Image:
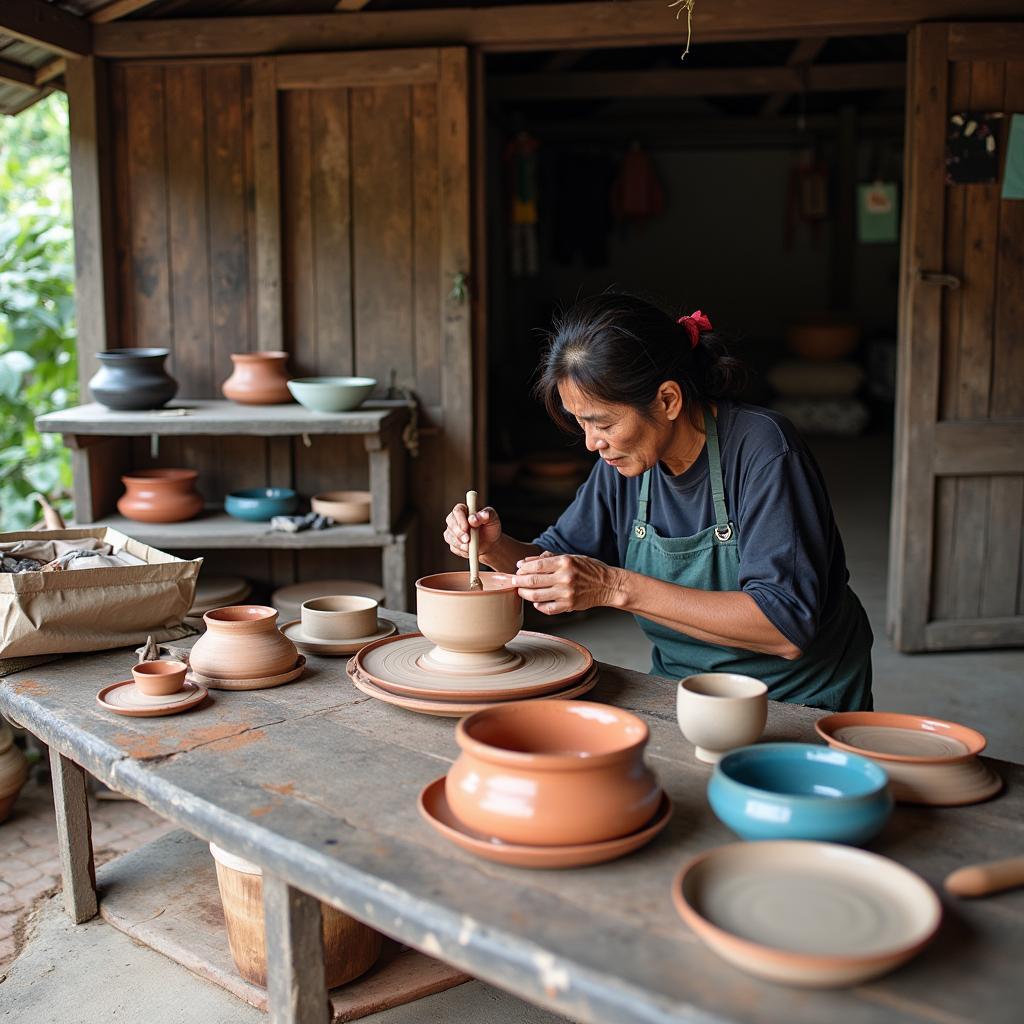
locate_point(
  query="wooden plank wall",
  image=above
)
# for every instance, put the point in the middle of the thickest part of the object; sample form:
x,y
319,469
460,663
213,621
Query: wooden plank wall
x,y
980,519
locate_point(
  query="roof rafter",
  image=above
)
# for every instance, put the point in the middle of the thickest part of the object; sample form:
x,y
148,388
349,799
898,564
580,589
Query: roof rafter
x,y
48,26
802,57
118,9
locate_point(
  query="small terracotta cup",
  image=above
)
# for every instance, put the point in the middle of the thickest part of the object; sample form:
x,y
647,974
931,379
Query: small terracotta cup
x,y
159,678
719,711
341,617
552,773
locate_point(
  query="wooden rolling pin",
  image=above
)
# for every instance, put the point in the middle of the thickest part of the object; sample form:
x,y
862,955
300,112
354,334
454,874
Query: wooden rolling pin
x,y
985,879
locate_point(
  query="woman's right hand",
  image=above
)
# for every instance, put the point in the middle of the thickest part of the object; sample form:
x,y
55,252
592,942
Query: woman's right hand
x,y
456,534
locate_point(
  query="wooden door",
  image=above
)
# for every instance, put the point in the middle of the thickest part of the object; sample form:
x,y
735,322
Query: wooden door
x,y
362,226
956,576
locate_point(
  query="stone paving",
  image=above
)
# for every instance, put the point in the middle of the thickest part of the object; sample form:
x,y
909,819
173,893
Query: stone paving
x,y
29,864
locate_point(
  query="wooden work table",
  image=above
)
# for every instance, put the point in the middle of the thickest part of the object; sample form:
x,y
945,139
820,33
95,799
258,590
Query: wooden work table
x,y
318,784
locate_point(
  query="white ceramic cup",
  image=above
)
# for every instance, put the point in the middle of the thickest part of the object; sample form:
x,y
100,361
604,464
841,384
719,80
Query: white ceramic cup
x,y
342,617
719,711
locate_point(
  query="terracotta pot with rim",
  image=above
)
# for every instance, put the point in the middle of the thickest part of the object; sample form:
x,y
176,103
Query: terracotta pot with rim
x,y
552,773
258,378
160,495
242,641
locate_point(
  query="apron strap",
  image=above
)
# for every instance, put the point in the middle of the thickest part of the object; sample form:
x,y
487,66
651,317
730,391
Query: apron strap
x,y
645,488
723,528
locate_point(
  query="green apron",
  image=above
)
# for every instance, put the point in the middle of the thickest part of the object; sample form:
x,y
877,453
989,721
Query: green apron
x,y
835,670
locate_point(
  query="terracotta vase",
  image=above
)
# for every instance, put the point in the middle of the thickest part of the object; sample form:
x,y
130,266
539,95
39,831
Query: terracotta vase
x,y
258,378
242,642
13,770
133,379
552,773
160,495
350,947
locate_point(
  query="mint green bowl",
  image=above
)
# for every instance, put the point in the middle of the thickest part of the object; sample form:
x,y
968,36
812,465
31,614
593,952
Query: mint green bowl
x,y
331,394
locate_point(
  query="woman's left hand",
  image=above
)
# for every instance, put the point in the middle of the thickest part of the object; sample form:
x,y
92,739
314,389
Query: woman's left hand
x,y
565,583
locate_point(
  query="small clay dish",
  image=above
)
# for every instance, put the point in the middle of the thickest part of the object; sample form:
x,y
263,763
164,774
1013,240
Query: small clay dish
x,y
335,648
433,806
552,773
261,504
339,617
124,698
159,678
343,506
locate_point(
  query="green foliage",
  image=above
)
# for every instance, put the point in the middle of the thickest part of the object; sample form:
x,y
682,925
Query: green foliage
x,y
37,311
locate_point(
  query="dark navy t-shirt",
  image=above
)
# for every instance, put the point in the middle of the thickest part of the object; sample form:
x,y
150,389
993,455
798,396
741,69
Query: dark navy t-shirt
x,y
792,561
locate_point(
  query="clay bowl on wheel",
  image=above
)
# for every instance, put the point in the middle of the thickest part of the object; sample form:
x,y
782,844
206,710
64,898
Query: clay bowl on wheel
x,y
469,627
552,773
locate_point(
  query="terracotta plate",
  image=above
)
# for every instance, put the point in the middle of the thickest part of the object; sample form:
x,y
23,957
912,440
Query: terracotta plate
x,y
549,663
435,810
309,645
907,738
455,708
264,683
124,698
817,915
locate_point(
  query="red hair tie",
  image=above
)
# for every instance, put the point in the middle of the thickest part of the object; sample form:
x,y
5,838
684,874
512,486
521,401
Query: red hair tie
x,y
696,324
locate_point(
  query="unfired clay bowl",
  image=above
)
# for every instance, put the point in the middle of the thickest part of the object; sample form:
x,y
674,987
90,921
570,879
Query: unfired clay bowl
x,y
469,627
552,773
159,678
719,711
342,617
343,506
242,641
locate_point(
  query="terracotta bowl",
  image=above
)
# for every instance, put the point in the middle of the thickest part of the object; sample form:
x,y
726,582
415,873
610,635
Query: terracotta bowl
x,y
469,627
342,617
159,678
242,641
719,711
552,773
343,506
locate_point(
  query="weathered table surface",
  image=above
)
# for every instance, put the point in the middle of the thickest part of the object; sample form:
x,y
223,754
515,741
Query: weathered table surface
x,y
318,784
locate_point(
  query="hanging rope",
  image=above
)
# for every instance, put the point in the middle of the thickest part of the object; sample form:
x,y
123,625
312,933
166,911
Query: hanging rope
x,y
685,5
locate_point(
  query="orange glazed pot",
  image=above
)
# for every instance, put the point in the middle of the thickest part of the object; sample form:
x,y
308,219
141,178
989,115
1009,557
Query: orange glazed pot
x,y
552,773
160,495
258,378
242,641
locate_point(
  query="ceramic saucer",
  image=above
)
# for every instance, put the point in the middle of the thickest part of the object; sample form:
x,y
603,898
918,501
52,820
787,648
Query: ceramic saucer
x,y
436,812
125,698
928,760
264,683
312,645
456,708
816,915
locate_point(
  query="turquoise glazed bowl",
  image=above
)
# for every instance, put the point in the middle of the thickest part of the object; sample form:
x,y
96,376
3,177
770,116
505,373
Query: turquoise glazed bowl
x,y
258,504
800,791
331,394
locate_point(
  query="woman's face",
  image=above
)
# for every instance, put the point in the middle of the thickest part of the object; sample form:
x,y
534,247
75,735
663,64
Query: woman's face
x,y
618,433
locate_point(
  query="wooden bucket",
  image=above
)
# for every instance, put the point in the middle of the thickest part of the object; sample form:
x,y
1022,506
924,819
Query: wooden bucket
x,y
350,947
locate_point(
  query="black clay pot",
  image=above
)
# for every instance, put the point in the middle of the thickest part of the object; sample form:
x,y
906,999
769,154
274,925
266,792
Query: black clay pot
x,y
132,379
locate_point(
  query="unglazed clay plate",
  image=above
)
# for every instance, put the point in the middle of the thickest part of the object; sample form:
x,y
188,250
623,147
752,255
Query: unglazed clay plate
x,y
435,810
264,683
311,645
816,915
454,708
549,663
125,698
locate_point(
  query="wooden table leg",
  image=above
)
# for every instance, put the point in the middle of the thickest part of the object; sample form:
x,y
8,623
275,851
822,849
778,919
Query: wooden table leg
x,y
296,989
74,837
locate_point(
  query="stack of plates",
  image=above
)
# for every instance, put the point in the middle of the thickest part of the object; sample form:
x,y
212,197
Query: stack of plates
x,y
288,600
928,761
391,671
216,592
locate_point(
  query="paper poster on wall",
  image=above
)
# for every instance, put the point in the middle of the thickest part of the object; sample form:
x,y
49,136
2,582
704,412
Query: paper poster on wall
x,y
972,152
1013,176
878,213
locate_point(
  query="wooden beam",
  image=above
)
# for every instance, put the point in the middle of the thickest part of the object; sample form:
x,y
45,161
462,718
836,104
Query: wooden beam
x,y
684,81
980,41
267,189
17,74
28,101
46,25
48,72
118,9
526,27
351,5
565,60
802,57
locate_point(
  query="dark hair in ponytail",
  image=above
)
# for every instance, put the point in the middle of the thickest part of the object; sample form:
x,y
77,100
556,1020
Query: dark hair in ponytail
x,y
620,349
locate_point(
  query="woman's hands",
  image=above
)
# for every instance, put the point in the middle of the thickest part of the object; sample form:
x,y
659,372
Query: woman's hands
x,y
567,583
456,534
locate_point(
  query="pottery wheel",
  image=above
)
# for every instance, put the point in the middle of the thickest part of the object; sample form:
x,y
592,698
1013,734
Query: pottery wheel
x,y
549,663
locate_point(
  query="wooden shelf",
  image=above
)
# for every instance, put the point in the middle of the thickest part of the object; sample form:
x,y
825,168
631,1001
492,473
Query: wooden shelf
x,y
221,531
210,416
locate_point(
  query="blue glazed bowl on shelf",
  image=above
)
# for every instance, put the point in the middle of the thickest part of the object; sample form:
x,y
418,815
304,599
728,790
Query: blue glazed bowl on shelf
x,y
800,791
259,504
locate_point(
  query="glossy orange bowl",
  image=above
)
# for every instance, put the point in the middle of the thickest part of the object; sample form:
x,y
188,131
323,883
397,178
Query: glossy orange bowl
x,y
552,773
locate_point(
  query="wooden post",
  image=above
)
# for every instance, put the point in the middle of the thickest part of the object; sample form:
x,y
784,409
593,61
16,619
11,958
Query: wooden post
x,y
74,837
296,990
266,173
